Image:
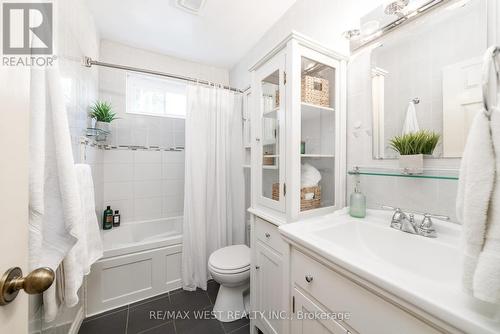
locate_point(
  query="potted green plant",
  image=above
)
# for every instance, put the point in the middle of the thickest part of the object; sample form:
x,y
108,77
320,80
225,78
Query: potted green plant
x,y
412,147
102,113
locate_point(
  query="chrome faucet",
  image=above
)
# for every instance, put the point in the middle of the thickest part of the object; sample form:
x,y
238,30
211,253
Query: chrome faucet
x,y
406,222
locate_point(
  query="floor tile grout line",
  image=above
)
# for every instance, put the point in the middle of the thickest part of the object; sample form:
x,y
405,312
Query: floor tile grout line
x,y
154,327
237,329
109,312
148,300
126,321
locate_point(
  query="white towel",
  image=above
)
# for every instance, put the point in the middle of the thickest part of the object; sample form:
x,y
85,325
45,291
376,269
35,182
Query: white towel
x,y
486,283
88,248
54,198
310,176
477,172
411,123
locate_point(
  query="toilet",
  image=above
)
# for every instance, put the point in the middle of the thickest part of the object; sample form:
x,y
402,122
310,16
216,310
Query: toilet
x,y
230,267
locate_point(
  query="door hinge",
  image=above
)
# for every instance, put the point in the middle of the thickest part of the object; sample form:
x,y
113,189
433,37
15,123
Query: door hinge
x,y
293,304
284,189
284,78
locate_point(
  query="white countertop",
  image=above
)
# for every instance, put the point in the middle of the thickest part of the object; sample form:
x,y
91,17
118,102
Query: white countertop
x,y
422,271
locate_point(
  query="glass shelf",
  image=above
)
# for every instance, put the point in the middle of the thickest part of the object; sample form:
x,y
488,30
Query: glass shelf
x,y
443,174
98,134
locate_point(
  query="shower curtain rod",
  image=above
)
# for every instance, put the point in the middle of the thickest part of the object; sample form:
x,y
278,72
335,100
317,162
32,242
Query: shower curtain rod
x,y
89,62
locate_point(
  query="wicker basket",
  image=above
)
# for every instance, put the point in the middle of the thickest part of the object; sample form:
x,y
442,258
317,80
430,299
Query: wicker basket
x,y
315,91
305,204
268,161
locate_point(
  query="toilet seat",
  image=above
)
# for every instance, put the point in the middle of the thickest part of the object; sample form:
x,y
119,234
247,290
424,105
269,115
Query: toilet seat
x,y
228,272
230,260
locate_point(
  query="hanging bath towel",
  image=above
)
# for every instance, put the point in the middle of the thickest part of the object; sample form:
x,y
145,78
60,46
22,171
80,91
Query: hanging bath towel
x,y
411,123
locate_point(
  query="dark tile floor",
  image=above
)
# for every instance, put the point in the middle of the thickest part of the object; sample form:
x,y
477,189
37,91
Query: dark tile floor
x,y
152,316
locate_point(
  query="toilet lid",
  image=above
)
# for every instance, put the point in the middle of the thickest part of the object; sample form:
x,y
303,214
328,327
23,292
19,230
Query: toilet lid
x,y
230,258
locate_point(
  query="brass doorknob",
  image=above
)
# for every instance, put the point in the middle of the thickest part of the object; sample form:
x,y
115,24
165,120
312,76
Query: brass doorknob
x,y
36,282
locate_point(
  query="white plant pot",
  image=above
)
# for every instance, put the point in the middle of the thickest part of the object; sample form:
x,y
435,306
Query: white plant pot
x,y
412,164
104,126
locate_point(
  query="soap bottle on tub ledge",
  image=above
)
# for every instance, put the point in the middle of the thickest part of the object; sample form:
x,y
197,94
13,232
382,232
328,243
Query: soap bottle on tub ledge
x,y
107,219
357,206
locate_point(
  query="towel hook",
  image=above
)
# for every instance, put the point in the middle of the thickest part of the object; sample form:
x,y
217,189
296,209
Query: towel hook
x,y
489,58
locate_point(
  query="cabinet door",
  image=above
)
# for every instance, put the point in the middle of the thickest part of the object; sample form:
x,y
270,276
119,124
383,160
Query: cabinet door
x,y
269,84
310,317
320,125
268,287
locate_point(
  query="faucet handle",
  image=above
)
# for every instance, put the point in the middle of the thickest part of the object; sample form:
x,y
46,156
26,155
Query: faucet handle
x,y
426,227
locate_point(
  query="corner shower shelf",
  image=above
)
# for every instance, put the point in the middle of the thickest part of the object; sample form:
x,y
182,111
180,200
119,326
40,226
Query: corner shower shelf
x,y
98,134
438,174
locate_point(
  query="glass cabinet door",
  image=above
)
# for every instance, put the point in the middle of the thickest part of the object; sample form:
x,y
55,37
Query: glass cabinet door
x,y
317,145
270,139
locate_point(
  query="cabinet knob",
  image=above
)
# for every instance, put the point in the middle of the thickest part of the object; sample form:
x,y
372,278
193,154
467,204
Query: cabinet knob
x,y
309,278
257,267
267,235
257,139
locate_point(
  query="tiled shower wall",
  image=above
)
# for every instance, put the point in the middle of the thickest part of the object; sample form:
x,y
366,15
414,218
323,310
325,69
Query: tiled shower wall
x,y
144,184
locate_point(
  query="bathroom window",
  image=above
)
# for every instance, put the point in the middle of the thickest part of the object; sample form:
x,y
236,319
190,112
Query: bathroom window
x,y
149,95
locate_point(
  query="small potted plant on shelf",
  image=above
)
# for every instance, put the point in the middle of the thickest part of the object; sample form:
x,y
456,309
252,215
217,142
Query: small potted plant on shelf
x,y
102,113
412,147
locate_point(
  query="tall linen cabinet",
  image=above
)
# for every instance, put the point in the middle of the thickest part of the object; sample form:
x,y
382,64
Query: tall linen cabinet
x,y
298,160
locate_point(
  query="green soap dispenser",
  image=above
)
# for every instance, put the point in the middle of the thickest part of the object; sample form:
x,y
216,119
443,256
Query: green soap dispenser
x,y
357,206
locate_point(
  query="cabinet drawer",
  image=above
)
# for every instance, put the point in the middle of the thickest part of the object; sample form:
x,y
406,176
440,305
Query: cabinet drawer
x,y
268,233
368,312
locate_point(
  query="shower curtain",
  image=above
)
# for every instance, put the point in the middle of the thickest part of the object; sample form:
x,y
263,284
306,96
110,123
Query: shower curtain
x,y
214,210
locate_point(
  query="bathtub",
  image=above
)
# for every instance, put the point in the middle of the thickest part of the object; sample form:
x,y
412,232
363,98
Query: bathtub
x,y
140,260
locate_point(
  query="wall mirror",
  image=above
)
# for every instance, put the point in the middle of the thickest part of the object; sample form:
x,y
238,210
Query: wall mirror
x,y
430,68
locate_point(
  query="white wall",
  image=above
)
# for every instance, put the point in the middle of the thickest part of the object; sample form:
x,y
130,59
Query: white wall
x,y
321,20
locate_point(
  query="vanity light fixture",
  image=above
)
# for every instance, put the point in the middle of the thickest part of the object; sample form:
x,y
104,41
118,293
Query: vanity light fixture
x,y
352,34
395,7
370,27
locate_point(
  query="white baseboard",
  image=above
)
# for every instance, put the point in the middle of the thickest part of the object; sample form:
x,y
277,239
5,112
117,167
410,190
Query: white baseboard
x,y
77,322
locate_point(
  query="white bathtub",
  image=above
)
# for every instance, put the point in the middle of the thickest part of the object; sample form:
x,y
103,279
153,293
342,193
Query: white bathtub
x,y
141,260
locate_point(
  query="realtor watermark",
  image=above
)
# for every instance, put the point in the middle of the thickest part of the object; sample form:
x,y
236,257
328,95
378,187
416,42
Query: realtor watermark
x,y
28,34
235,315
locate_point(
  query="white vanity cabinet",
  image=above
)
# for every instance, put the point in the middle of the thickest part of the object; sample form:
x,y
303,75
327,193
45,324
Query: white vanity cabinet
x,y
269,291
319,288
298,119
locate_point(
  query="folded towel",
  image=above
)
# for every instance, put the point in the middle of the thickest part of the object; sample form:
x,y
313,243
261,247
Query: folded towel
x,y
477,172
54,197
310,176
411,123
88,248
486,283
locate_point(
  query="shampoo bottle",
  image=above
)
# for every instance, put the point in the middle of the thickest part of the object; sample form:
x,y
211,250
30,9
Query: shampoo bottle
x,y
107,219
357,206
116,219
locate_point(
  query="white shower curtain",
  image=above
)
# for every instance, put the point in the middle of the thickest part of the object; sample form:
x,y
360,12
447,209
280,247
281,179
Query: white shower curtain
x,y
214,211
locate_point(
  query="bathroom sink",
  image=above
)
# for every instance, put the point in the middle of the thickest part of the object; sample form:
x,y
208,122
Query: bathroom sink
x,y
377,242
424,272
